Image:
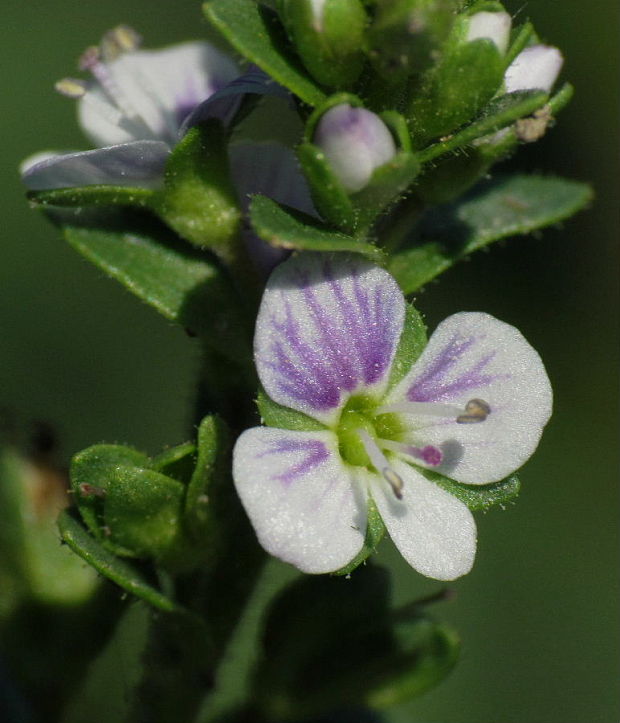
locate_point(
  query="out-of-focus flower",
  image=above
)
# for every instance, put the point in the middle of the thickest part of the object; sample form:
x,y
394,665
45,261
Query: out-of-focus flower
x,y
134,108
472,407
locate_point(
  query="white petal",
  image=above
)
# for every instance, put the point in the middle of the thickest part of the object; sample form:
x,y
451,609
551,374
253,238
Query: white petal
x,y
536,67
327,329
473,355
434,532
155,91
299,497
138,164
494,26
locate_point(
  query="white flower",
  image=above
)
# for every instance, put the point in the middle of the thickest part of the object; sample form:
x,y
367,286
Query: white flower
x,y
133,108
472,408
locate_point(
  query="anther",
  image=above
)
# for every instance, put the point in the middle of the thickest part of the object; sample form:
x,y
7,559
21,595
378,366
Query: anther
x,y
122,39
71,87
476,410
395,481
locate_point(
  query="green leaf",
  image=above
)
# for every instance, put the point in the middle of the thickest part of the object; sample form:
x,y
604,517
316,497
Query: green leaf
x,y
493,210
498,114
374,534
180,282
254,31
120,572
95,195
275,415
479,497
286,228
331,643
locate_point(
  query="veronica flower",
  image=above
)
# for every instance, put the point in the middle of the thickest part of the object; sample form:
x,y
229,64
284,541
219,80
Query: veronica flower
x,y
472,407
135,108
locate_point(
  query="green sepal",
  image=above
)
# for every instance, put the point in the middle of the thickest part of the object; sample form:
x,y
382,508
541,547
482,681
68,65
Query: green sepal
x,y
90,475
198,200
492,211
180,282
142,513
273,414
95,195
108,565
333,643
332,51
330,198
210,472
478,497
386,186
457,89
411,344
286,228
375,532
499,113
177,462
520,37
255,32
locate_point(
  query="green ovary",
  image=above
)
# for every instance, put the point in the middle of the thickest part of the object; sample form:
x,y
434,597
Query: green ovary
x,y
360,414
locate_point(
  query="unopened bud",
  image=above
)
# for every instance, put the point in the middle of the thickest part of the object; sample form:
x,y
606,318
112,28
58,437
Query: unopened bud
x,y
493,26
355,142
328,36
535,67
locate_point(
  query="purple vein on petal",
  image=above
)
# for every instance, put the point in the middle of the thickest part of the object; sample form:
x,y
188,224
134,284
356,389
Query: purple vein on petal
x,y
432,384
315,453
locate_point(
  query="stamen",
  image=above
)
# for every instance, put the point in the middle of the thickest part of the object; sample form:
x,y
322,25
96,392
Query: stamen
x,y
429,454
381,464
122,39
71,87
434,409
476,410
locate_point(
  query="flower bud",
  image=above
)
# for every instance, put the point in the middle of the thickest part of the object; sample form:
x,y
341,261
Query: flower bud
x,y
355,141
535,67
328,36
493,26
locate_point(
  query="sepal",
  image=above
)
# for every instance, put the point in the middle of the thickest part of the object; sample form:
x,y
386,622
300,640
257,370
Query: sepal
x,y
328,36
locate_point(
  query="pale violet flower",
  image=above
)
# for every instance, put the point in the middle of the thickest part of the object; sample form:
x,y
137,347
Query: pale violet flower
x,y
134,108
536,67
493,26
472,408
355,141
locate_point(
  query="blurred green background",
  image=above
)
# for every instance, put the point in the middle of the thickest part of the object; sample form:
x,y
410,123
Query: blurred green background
x,y
538,615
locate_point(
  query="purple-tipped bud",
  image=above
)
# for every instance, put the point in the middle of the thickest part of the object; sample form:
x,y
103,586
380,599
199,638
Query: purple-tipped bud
x,y
355,142
493,26
535,67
